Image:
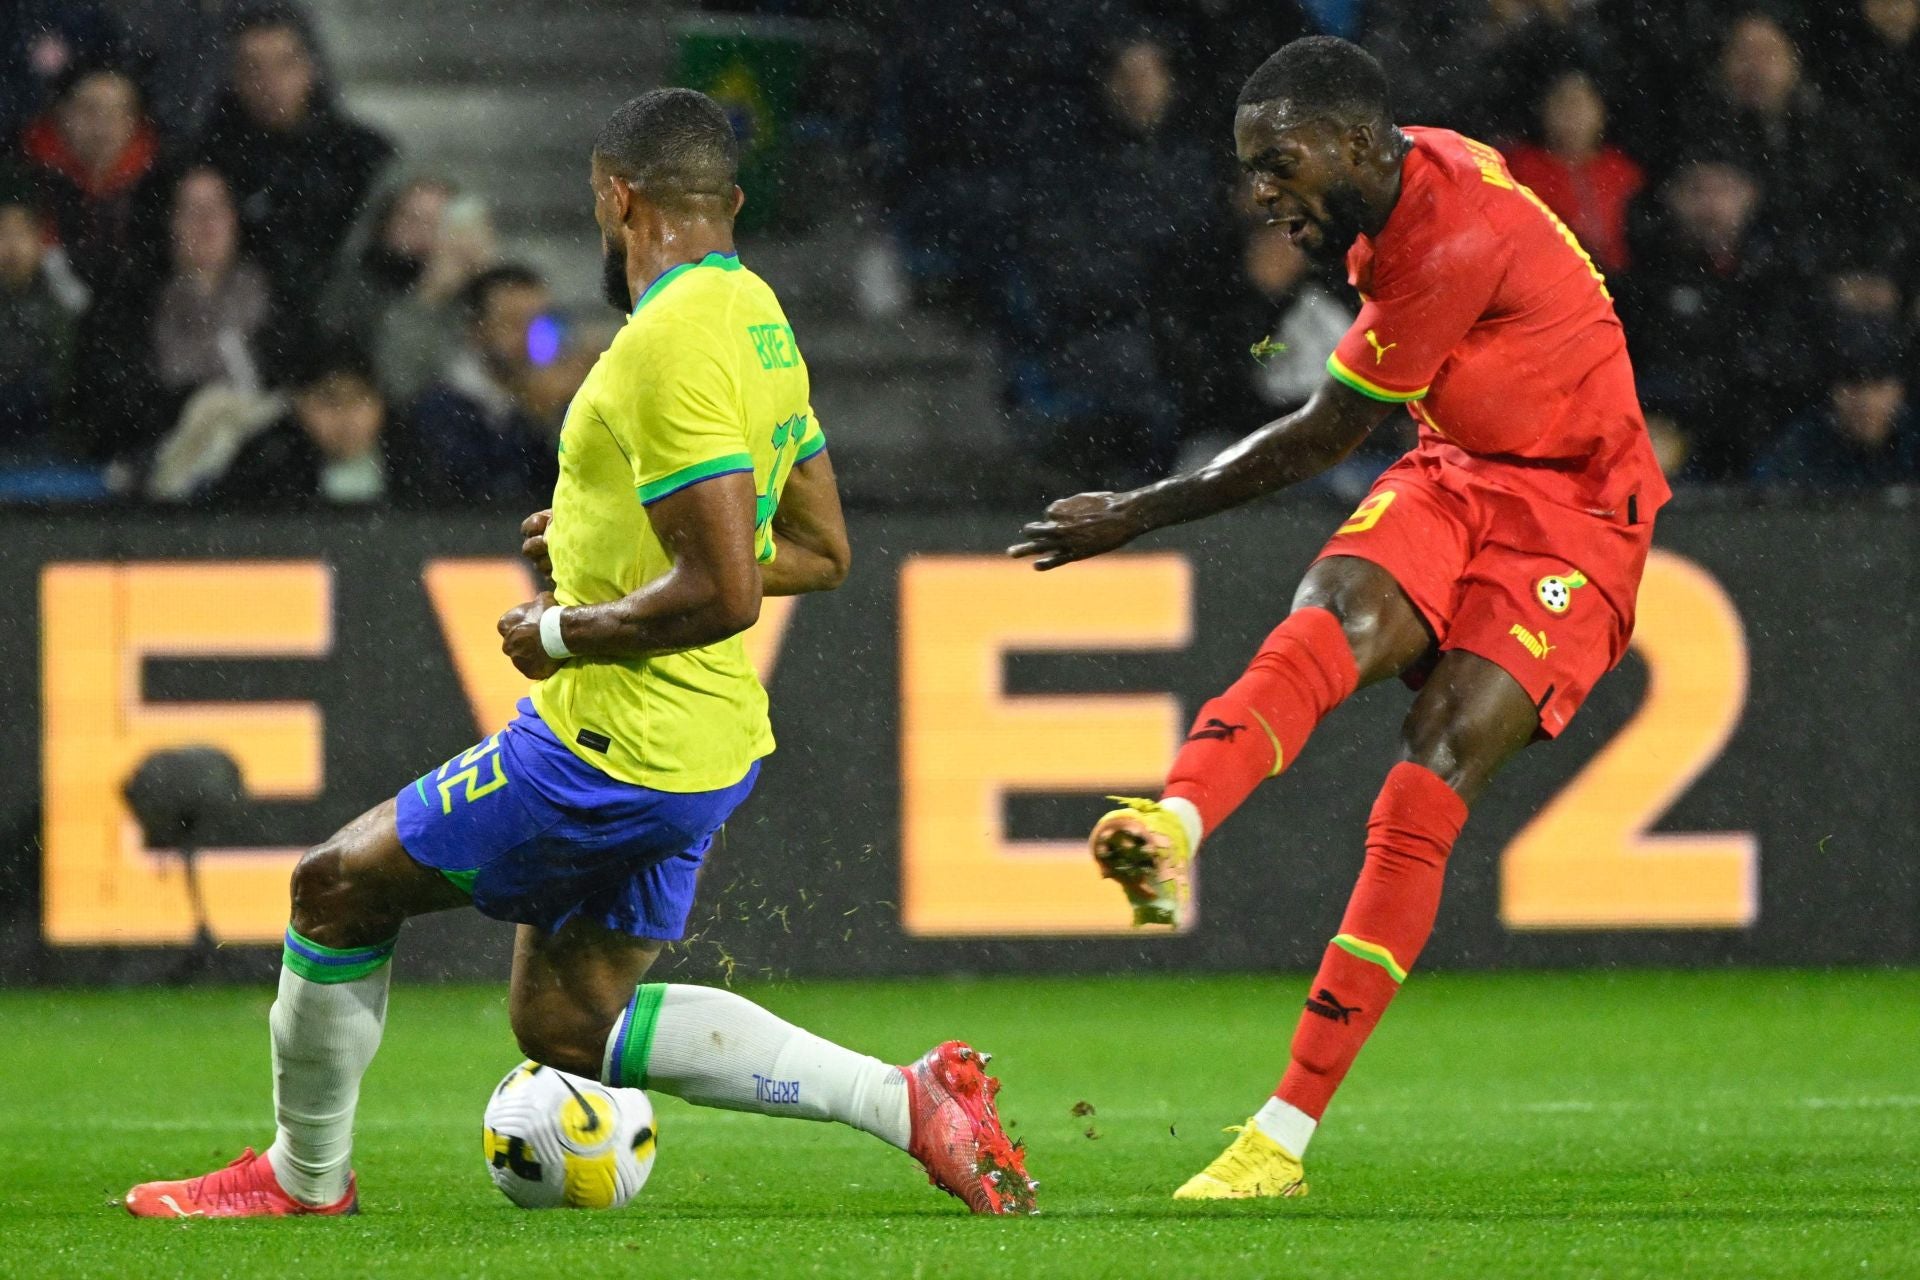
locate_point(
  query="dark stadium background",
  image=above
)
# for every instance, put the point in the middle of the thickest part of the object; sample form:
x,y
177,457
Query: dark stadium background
x,y
1011,245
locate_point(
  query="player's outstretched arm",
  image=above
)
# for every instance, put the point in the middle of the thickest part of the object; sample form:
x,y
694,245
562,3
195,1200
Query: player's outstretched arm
x,y
811,552
712,591
1284,452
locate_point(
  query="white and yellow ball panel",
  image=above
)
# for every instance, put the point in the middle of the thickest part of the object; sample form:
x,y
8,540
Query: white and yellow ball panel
x,y
554,1140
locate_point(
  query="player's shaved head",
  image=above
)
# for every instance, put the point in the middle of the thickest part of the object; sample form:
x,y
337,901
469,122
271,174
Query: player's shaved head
x,y
676,147
1321,78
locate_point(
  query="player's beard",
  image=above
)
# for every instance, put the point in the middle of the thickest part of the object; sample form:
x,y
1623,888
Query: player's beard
x,y
1346,222
613,275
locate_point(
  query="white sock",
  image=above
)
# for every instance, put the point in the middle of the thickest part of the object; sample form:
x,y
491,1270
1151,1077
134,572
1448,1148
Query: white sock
x,y
1287,1125
326,1026
717,1049
1182,808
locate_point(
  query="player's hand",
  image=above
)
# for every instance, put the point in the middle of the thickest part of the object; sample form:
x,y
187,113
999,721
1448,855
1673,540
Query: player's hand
x,y
1077,528
520,637
533,541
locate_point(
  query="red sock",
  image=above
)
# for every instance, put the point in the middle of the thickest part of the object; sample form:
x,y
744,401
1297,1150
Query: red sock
x,y
1258,726
1414,824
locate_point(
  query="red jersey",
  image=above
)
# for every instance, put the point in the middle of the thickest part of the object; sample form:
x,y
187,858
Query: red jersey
x,y
1484,316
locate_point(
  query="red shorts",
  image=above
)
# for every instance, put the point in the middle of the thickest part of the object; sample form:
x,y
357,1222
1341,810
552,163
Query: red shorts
x,y
1544,592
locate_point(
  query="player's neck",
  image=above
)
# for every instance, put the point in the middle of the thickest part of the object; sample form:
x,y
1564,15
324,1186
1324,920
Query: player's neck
x,y
675,246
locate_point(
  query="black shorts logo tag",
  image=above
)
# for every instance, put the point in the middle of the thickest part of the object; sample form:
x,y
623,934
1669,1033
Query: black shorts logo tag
x,y
593,741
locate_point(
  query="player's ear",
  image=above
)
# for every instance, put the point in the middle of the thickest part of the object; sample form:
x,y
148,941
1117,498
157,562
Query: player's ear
x,y
622,198
1361,139
739,200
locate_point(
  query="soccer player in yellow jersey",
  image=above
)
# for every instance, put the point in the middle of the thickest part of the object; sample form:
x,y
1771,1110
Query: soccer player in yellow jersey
x,y
694,479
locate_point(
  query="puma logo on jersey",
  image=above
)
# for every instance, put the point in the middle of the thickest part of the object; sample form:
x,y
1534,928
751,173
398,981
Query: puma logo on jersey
x,y
1379,352
1534,643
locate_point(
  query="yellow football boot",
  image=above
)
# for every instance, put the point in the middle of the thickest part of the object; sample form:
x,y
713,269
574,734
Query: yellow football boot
x,y
1254,1165
1145,850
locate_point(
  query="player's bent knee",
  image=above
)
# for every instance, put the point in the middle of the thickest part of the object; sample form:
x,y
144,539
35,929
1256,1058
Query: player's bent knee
x,y
330,904
318,882
1381,628
1431,744
1448,743
565,1043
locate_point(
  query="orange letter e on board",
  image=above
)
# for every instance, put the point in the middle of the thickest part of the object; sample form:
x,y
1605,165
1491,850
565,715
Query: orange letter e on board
x,y
99,622
965,743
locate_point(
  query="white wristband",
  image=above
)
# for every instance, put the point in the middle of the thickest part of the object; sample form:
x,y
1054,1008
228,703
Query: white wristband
x,y
550,638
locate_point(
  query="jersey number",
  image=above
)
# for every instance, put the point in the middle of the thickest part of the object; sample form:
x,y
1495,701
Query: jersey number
x,y
1367,514
479,781
786,443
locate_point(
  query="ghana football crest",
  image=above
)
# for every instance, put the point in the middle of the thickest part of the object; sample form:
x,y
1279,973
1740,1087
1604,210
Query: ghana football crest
x,y
1555,591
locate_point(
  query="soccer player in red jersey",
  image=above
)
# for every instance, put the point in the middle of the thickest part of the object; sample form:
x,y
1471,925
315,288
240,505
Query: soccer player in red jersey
x,y
1493,567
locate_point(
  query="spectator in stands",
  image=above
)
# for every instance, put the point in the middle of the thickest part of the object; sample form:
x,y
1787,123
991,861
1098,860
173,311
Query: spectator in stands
x,y
1761,106
1216,45
400,238
951,101
211,322
329,449
1875,69
1873,74
1475,65
477,436
40,42
1866,275
1300,321
94,154
423,327
1111,274
1570,165
1270,339
1713,318
1658,52
36,334
1866,435
300,169
182,55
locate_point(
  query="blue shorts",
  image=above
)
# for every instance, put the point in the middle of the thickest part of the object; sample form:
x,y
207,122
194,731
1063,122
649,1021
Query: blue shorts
x,y
538,836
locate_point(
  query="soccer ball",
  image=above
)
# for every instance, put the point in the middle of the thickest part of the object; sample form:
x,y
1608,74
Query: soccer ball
x,y
555,1140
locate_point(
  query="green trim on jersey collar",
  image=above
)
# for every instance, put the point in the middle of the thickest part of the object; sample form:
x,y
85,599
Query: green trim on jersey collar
x,y
724,261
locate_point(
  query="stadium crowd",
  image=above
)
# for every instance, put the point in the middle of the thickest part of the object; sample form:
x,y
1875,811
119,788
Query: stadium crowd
x,y
1747,174
218,287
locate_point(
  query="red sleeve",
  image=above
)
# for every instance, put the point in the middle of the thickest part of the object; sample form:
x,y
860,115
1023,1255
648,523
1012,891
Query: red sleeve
x,y
1424,301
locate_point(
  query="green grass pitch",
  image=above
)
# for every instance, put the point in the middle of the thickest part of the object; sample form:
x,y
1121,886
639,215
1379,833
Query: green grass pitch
x,y
1528,1125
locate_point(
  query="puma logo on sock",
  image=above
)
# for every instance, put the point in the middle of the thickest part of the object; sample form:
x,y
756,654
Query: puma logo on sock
x,y
1328,1005
1216,728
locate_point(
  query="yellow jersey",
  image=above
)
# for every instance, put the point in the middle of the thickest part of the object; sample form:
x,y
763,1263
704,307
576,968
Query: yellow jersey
x,y
703,380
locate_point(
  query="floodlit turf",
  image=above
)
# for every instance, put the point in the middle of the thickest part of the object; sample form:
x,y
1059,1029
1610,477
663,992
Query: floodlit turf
x,y
1603,1125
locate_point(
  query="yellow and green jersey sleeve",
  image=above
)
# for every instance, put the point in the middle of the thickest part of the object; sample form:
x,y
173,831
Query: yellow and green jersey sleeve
x,y
704,381
684,425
